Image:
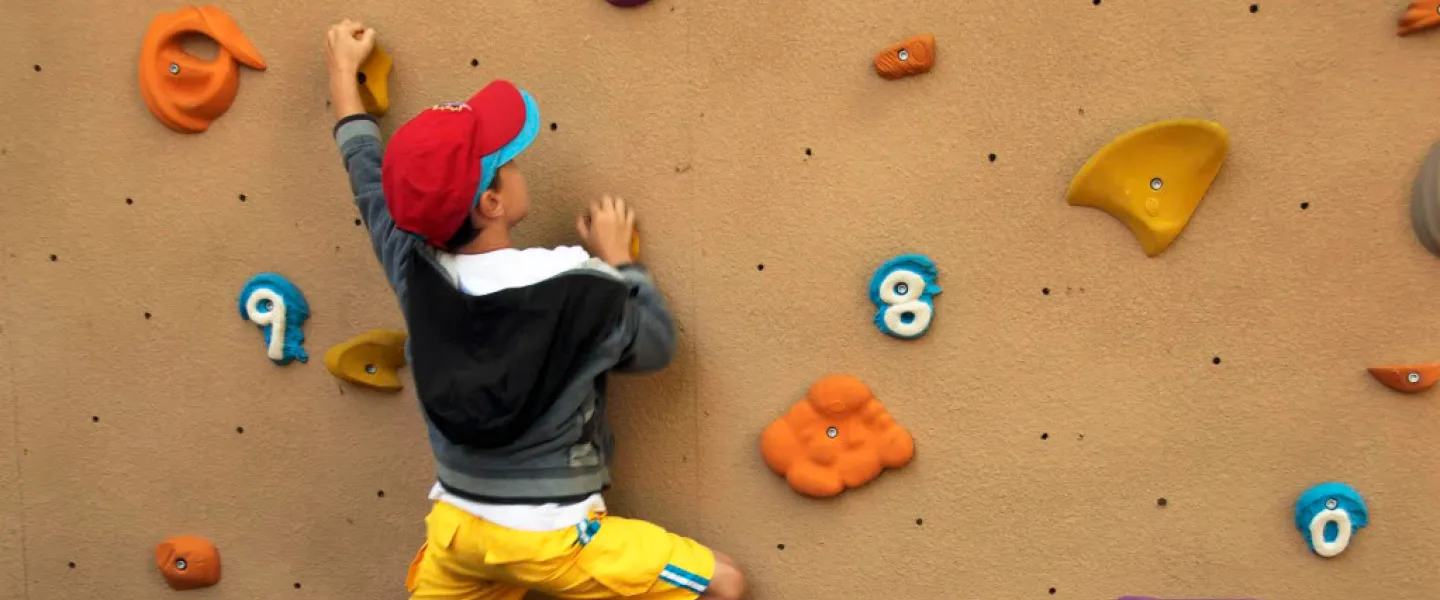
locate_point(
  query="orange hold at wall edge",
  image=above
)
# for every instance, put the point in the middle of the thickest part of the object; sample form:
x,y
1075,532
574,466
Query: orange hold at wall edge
x,y
1419,16
186,92
840,436
188,562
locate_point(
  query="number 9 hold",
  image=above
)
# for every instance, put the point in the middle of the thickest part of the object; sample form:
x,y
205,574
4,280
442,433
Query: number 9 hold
x,y
278,308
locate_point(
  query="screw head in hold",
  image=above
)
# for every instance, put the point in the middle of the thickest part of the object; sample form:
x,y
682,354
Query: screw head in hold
x,y
832,432
371,369
902,288
174,68
1331,504
1412,377
1156,184
903,54
180,564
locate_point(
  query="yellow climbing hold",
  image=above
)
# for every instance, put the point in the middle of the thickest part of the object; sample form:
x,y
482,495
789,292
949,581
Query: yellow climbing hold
x,y
1153,177
371,359
375,82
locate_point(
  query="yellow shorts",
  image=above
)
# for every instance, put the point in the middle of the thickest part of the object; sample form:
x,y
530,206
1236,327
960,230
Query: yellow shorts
x,y
467,558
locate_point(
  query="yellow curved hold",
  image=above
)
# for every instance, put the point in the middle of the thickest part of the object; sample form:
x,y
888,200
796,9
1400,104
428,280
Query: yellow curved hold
x,y
375,82
1152,178
370,359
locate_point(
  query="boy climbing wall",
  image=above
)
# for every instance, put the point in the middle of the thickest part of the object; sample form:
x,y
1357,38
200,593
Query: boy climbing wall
x,y
510,349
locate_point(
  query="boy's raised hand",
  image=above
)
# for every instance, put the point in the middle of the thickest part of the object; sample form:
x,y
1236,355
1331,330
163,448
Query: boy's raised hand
x,y
606,230
347,44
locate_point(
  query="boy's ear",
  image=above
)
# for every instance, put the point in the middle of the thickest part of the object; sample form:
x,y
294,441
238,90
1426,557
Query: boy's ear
x,y
490,206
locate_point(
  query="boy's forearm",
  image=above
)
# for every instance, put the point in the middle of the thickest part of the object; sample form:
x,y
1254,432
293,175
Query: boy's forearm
x,y
345,94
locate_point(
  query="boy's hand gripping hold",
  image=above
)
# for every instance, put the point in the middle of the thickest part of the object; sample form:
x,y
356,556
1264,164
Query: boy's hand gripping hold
x,y
347,45
607,229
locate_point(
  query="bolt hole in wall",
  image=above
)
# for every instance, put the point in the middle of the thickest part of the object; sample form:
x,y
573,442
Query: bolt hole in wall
x,y
1052,591
129,201
358,222
760,267
242,197
147,316
380,493
54,258
554,126
992,157
297,585
1095,2
779,546
239,430
1304,205
919,521
1045,291
1254,8
1044,436
37,68
95,419
474,62
72,565
1215,360
1162,503
807,152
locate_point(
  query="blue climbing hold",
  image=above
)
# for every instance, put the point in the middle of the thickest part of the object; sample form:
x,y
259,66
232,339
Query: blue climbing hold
x,y
276,306
903,291
1329,514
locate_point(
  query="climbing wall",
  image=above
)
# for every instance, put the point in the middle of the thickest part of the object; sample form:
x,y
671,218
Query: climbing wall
x,y
1089,422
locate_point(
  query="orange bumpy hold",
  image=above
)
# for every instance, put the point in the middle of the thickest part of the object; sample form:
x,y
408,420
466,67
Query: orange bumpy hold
x,y
838,437
188,562
1420,15
186,92
910,57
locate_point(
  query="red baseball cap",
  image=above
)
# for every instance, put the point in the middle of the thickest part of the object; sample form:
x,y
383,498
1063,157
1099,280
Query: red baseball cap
x,y
438,163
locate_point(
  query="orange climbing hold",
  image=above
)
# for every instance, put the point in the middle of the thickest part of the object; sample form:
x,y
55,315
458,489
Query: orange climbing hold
x,y
1420,15
910,57
1408,378
838,437
185,92
188,562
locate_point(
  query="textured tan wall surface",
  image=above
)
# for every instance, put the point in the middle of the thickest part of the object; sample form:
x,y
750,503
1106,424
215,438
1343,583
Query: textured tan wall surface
x,y
118,430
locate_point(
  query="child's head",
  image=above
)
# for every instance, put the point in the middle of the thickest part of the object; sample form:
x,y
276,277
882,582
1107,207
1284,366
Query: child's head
x,y
449,173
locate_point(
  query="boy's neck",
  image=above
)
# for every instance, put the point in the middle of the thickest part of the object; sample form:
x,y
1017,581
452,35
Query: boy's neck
x,y
490,239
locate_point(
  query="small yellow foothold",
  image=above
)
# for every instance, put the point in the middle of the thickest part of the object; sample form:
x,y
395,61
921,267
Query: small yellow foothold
x,y
370,359
1152,178
635,245
374,80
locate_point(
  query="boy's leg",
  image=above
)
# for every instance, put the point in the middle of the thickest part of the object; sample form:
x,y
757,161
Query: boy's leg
x,y
441,571
615,557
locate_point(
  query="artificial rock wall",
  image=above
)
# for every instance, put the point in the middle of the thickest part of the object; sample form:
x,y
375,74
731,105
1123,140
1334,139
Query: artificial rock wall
x,y
1069,388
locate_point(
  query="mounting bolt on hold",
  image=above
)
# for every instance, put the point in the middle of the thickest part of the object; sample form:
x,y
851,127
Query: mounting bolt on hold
x,y
832,432
1412,377
903,54
180,564
1156,184
370,369
174,68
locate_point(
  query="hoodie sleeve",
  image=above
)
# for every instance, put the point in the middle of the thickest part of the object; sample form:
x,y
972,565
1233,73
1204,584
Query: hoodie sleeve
x,y
358,137
647,324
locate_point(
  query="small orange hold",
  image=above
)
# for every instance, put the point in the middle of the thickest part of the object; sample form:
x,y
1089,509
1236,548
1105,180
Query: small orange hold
x,y
1408,378
1420,15
910,57
186,92
188,562
838,437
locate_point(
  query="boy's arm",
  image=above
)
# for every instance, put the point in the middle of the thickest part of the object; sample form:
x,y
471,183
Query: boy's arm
x,y
648,327
358,136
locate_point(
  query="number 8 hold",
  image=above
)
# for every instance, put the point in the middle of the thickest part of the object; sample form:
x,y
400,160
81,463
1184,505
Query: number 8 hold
x,y
903,291
278,308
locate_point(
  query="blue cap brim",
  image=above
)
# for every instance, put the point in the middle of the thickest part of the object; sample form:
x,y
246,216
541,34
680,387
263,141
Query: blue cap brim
x,y
490,165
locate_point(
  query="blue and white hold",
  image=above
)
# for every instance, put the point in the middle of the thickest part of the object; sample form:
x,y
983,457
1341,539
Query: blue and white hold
x,y
903,291
278,308
1329,514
